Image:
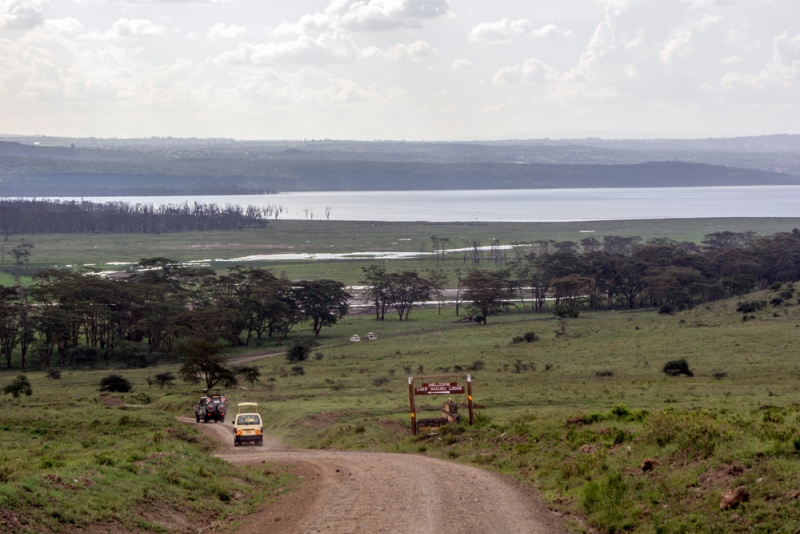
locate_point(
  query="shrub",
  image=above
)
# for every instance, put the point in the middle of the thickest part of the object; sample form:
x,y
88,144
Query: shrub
x,y
299,351
776,286
787,294
298,370
165,379
380,381
719,374
115,384
530,337
777,301
751,306
20,385
477,365
665,310
677,367
604,372
697,433
620,410
517,339
318,356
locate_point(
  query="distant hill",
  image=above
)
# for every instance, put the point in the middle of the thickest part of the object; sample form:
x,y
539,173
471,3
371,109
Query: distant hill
x,y
97,167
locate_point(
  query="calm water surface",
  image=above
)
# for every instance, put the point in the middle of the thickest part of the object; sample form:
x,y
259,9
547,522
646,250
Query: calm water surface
x,y
519,205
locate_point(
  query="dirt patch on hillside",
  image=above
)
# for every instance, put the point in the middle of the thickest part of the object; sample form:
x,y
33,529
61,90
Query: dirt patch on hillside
x,y
111,401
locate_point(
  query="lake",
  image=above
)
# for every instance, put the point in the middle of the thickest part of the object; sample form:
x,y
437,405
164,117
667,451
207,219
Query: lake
x,y
518,205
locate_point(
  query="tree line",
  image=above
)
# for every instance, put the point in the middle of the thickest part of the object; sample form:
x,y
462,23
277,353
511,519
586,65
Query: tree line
x,y
34,216
615,272
161,310
164,309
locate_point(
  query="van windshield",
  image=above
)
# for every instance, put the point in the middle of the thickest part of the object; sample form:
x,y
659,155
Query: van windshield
x,y
248,420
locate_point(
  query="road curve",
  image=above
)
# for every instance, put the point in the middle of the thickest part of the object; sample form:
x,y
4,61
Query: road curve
x,y
369,492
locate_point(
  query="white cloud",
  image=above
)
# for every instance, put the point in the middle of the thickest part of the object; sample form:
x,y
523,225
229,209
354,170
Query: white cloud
x,y
367,15
679,43
69,25
499,32
462,65
504,31
531,71
551,30
140,2
128,29
227,31
415,51
21,14
782,70
327,48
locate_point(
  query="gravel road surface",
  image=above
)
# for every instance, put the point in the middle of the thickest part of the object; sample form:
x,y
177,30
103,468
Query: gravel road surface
x,y
368,492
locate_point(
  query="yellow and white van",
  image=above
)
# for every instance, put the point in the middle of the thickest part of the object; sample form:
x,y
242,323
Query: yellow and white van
x,y
247,425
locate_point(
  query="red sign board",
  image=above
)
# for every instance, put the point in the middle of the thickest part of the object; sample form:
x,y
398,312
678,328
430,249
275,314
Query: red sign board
x,y
439,388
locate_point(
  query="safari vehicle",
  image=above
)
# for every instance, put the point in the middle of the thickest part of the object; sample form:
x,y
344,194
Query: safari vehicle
x,y
355,339
248,426
370,336
212,406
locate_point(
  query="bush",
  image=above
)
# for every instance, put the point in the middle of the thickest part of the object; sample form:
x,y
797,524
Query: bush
x,y
517,339
677,367
776,286
620,410
299,350
777,301
719,374
20,385
530,337
115,384
665,310
477,365
751,306
165,379
298,370
380,381
604,372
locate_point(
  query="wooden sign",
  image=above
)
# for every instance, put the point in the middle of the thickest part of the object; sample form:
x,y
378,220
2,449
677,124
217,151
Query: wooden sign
x,y
439,388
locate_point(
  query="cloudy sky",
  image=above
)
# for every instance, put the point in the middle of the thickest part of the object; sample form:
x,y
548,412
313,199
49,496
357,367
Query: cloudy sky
x,y
399,69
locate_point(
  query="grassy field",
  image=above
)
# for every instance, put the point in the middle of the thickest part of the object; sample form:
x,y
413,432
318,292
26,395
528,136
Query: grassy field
x,y
707,434
281,237
74,459
573,415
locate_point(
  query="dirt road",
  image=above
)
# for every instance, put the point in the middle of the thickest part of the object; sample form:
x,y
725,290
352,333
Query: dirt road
x,y
366,492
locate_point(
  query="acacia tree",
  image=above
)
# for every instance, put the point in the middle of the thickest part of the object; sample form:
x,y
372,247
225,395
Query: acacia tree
x,y
323,302
405,289
204,363
375,278
489,293
22,252
565,313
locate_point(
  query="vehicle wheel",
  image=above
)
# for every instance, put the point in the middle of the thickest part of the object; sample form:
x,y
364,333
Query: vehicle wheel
x,y
261,442
222,420
236,443
205,419
197,417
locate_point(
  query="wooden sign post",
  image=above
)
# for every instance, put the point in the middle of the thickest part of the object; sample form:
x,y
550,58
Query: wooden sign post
x,y
438,388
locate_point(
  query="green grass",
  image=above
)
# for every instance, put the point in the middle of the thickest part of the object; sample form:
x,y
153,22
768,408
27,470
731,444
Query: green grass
x,y
135,458
708,434
70,458
59,250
